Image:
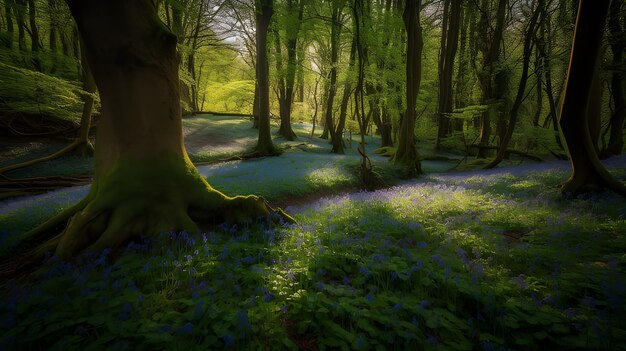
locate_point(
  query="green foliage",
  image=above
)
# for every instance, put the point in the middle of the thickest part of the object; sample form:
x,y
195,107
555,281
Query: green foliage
x,y
482,261
30,93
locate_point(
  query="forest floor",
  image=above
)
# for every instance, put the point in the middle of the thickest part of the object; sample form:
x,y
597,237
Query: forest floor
x,y
485,260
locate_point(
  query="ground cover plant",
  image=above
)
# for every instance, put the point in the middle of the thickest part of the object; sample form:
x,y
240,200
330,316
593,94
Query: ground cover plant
x,y
496,260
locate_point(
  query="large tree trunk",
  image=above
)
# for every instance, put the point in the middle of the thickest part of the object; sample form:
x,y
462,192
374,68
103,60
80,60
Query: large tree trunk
x,y
449,45
264,11
588,174
144,182
618,41
406,154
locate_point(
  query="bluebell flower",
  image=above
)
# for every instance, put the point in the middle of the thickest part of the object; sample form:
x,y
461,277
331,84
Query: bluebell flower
x,y
360,343
364,271
346,280
424,304
283,308
228,341
431,339
243,322
195,295
185,329
369,297
397,307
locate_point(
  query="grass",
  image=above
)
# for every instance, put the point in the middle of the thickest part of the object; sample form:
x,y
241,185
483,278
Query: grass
x,y
490,260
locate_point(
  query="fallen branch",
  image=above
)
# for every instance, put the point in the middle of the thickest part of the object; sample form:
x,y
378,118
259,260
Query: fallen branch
x,y
509,151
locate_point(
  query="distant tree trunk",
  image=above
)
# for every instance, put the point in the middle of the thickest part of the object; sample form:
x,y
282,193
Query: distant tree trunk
x,y
20,13
529,34
449,45
52,36
491,56
338,146
264,11
335,33
8,8
461,99
538,89
617,42
34,35
406,154
34,31
588,174
544,52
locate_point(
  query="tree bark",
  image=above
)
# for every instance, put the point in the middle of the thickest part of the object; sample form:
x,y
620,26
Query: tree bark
x,y
588,174
448,51
264,11
521,91
406,154
8,9
20,13
490,48
335,33
144,182
617,42
286,101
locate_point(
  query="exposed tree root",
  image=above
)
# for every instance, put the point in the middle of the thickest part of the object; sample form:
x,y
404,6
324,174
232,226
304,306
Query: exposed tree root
x,y
82,146
138,198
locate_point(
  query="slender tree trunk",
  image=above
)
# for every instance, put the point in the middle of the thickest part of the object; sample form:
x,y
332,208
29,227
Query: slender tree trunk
x,y
264,11
446,68
34,31
491,56
338,146
588,174
406,154
52,36
335,33
8,9
618,42
521,91
290,75
20,13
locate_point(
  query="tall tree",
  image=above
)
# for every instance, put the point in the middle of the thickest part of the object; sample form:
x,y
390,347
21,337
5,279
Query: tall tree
x,y
335,34
8,10
264,12
406,154
588,174
617,42
144,182
529,35
286,81
447,53
489,43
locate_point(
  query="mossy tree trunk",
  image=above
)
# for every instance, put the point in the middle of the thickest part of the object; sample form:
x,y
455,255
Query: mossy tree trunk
x,y
588,174
406,154
144,182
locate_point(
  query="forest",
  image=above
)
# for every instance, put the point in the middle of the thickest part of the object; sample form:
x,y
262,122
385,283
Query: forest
x,y
312,175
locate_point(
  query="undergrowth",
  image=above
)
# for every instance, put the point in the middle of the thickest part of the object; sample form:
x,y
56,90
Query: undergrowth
x,y
483,262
